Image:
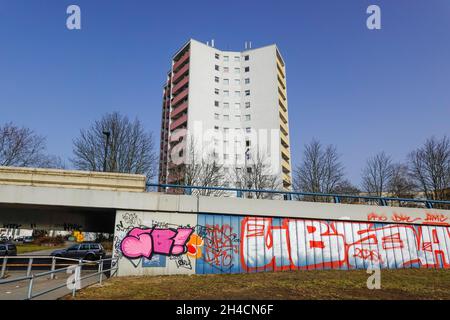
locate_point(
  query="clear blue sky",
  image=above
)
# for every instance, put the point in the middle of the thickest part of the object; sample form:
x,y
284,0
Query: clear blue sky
x,y
364,91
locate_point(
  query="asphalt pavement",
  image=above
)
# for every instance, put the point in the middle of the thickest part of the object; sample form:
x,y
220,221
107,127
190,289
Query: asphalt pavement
x,y
19,290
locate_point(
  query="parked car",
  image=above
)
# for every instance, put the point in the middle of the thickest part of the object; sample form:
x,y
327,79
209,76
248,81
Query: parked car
x,y
8,249
86,251
28,239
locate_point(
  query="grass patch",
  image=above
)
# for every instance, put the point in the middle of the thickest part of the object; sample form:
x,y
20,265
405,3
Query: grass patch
x,y
296,285
25,248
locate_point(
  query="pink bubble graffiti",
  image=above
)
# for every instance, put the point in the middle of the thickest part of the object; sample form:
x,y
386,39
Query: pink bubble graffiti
x,y
146,242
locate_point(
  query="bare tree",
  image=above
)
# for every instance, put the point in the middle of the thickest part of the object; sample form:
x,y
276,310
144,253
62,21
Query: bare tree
x,y
320,170
400,183
130,147
199,169
430,168
377,174
22,147
257,173
346,187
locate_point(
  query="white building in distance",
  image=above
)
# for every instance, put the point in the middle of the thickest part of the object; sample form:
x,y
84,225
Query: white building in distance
x,y
229,106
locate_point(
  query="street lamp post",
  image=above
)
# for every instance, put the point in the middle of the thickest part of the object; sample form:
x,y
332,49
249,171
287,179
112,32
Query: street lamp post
x,y
247,152
107,134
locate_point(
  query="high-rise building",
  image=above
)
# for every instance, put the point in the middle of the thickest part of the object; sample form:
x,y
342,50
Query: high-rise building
x,y
237,100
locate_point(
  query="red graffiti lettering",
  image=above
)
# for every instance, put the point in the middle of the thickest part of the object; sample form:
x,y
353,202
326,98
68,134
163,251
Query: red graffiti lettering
x,y
367,254
220,245
434,219
399,217
376,217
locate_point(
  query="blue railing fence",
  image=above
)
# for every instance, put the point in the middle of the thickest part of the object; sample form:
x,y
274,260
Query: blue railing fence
x,y
297,195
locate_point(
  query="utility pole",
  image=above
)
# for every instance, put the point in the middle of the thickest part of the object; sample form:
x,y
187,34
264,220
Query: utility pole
x,y
107,134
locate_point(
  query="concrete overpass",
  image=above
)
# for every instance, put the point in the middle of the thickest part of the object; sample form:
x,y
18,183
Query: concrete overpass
x,y
62,199
158,233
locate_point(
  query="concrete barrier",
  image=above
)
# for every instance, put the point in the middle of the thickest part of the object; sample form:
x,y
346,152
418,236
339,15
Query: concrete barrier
x,y
71,179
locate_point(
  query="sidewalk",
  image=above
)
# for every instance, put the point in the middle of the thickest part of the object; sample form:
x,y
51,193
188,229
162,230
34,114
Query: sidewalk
x,y
19,290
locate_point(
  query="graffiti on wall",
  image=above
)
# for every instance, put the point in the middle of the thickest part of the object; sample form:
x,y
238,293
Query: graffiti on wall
x,y
221,243
145,246
427,219
311,244
146,242
233,244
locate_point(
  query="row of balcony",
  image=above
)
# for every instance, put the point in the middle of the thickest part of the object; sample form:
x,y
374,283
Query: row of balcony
x,y
285,154
180,97
184,81
286,166
282,93
281,71
279,59
181,61
283,116
178,110
163,145
281,82
286,180
284,141
284,128
178,74
179,122
172,179
282,105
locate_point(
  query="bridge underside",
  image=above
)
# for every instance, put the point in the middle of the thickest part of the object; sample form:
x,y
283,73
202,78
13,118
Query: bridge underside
x,y
13,216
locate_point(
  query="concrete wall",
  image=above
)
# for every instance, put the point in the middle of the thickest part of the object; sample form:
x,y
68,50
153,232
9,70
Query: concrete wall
x,y
158,263
71,179
240,235
167,234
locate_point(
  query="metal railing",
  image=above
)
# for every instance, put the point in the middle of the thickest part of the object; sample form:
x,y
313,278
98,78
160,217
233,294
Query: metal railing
x,y
75,263
305,196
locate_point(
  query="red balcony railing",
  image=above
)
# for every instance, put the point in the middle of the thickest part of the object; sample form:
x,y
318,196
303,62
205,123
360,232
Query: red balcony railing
x,y
182,60
179,73
179,122
179,109
180,84
180,97
172,165
172,179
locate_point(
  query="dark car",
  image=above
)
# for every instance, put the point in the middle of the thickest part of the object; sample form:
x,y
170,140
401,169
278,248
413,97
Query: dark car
x,y
28,239
8,249
86,251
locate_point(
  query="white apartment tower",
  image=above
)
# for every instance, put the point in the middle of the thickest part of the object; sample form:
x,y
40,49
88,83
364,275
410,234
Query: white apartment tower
x,y
231,105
